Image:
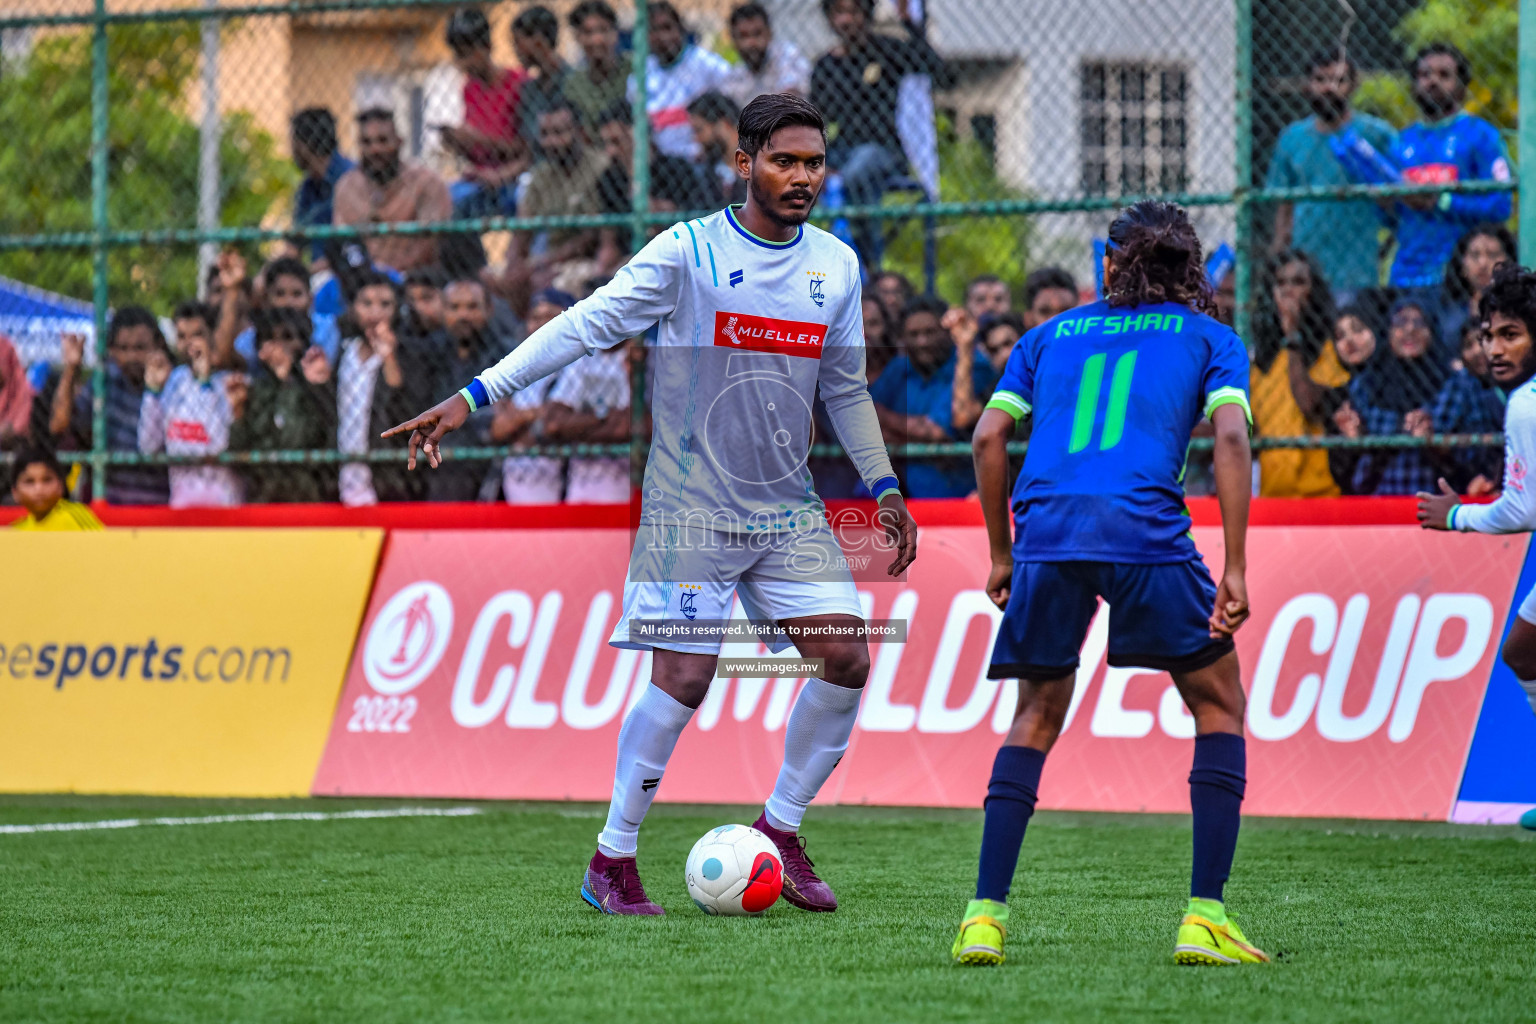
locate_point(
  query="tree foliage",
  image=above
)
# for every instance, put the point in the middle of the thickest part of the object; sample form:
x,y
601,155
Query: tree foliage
x,y
967,246
152,160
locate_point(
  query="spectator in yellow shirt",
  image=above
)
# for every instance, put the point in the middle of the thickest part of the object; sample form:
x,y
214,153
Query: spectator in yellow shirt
x,y
1294,368
38,486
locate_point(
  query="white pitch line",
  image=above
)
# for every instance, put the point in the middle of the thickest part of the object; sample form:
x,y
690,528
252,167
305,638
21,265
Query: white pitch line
x,y
221,819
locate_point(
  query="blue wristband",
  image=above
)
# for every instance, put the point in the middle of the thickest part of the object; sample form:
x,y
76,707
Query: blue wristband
x,y
475,394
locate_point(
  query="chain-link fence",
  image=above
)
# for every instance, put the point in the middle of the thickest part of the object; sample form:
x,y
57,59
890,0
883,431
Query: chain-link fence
x,y
239,240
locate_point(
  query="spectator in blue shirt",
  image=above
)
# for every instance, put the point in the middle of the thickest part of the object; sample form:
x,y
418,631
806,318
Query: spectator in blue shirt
x,y
314,150
1342,237
915,400
1447,147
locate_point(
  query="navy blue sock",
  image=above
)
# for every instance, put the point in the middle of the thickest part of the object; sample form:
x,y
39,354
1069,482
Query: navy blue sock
x,y
1010,802
1216,784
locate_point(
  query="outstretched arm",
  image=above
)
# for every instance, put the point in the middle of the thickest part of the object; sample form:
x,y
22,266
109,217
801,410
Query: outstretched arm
x,y
965,404
641,293
63,408
232,309
1515,509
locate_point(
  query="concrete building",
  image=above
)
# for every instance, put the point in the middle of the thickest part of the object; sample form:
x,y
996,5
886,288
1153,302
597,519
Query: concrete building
x,y
1075,97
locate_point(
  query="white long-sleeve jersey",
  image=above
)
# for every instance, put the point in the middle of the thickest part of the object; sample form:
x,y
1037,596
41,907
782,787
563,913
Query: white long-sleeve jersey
x,y
749,329
1515,509
191,417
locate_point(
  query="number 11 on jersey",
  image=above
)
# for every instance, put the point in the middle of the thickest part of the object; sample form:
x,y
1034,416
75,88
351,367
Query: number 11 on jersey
x,y
1088,401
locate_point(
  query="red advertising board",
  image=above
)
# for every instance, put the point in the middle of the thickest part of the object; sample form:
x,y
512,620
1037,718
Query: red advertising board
x,y
483,670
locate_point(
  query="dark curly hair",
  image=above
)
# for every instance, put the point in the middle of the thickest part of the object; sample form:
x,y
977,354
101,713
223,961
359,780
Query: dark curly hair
x,y
1155,257
1512,292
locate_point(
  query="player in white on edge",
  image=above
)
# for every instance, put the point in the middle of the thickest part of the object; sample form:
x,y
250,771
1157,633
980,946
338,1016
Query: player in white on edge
x,y
1508,312
757,311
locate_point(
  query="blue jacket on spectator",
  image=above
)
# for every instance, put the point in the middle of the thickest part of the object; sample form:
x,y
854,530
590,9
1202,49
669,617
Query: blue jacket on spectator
x,y
312,205
1459,148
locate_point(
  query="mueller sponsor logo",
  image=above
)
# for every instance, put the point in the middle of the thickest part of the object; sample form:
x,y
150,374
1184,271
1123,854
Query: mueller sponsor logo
x,y
769,334
189,431
1431,174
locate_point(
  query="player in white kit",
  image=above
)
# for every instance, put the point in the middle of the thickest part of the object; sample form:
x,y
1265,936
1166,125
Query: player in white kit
x,y
757,312
1508,312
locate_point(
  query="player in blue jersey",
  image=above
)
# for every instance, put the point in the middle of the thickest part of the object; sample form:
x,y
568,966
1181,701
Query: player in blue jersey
x,y
1448,146
1114,389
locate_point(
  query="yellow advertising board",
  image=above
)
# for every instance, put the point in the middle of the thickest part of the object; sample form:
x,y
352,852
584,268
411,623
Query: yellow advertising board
x,y
184,662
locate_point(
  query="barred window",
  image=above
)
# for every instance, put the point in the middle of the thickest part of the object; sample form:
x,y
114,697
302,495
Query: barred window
x,y
1134,127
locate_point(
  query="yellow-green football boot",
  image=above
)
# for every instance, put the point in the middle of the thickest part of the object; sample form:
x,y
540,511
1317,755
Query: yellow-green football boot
x,y
1209,937
981,933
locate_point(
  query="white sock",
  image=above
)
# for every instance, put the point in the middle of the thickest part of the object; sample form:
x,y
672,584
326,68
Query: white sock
x,y
1529,686
819,727
646,740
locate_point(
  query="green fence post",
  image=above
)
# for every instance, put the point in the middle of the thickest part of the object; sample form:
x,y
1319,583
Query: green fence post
x,y
1526,147
100,140
1243,171
640,206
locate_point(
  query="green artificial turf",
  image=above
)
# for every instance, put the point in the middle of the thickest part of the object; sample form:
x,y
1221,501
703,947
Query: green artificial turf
x,y
477,918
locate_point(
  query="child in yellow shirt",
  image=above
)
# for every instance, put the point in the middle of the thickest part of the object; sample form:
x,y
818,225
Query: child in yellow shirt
x,y
37,484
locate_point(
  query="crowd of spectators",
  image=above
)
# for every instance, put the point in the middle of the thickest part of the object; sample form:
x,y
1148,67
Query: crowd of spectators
x,y
1337,352
329,342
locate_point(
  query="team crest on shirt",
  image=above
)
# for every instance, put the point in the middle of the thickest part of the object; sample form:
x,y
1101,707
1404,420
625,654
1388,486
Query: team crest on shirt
x,y
1515,477
817,280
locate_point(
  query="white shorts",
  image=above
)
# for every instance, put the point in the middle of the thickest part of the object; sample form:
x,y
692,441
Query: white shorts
x,y
778,577
1528,607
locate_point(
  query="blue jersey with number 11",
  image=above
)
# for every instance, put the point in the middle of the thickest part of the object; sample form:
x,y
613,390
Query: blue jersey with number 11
x,y
1114,392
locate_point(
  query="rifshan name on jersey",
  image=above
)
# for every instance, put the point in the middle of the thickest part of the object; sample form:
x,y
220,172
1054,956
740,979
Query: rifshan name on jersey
x,y
1114,392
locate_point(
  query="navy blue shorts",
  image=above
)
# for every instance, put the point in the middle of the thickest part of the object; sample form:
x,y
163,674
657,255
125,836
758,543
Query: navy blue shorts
x,y
1159,617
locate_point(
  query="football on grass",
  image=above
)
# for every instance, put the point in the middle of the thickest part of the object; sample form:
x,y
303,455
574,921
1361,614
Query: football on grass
x,y
734,871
